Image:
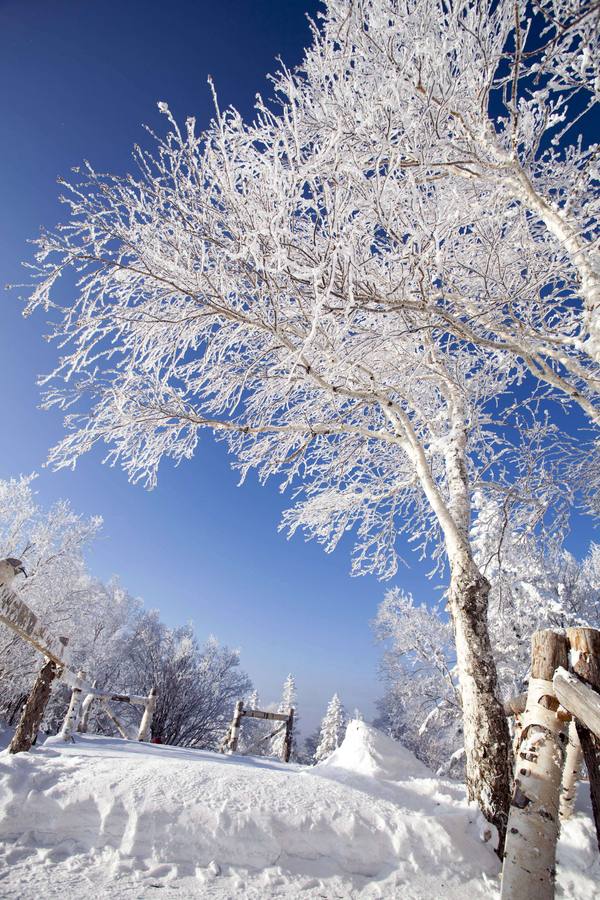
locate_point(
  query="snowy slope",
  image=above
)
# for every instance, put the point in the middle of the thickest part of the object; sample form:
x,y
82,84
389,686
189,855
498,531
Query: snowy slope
x,y
118,819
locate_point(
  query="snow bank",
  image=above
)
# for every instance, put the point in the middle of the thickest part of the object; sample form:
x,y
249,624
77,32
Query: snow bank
x,y
110,818
367,751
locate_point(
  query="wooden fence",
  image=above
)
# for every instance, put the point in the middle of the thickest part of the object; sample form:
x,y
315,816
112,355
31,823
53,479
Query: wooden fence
x,y
557,725
17,616
230,744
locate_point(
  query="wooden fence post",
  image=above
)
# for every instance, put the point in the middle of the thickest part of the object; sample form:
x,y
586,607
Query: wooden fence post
x,y
33,711
234,731
584,654
532,829
72,717
85,711
289,735
571,773
148,714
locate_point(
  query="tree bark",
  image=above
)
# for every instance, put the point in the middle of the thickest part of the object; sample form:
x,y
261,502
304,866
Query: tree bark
x,y
33,711
72,717
584,646
145,729
486,733
571,774
85,711
288,738
234,732
529,862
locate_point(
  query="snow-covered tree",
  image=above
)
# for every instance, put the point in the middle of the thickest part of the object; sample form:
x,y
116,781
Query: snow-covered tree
x,y
421,706
347,289
287,702
51,544
197,686
333,729
536,584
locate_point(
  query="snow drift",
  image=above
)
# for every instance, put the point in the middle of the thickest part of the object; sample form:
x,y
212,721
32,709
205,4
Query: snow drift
x,y
116,818
367,751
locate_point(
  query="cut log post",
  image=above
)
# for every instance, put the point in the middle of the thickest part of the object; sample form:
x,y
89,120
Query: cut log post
x,y
85,711
72,717
145,729
584,657
234,731
571,774
532,829
289,736
33,711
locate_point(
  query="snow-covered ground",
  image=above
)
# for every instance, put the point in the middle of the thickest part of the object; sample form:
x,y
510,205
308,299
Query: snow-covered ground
x,y
111,818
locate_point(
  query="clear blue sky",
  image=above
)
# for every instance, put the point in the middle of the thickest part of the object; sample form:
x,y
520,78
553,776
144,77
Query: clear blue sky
x,y
77,80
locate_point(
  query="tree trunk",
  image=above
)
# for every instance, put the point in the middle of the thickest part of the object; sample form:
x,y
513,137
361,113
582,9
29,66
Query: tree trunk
x,y
33,711
571,774
72,717
234,732
85,711
145,729
529,862
486,733
584,646
288,739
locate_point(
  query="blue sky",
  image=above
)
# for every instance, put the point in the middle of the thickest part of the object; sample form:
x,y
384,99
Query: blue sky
x,y
77,80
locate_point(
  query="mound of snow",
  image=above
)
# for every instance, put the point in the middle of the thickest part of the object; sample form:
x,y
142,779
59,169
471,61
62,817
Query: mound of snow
x,y
105,817
367,751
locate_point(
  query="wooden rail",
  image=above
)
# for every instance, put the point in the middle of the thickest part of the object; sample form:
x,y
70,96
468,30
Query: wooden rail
x,y
580,699
21,619
230,743
16,615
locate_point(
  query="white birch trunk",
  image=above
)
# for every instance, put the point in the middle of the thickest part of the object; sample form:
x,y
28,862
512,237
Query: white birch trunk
x,y
146,723
533,823
85,711
33,711
571,774
486,733
72,716
234,733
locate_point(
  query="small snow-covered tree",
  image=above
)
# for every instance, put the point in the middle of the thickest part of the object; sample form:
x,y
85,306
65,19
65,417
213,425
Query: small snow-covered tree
x,y
348,289
333,729
421,706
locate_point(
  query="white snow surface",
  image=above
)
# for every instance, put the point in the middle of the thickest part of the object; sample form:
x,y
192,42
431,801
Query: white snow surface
x,y
104,817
